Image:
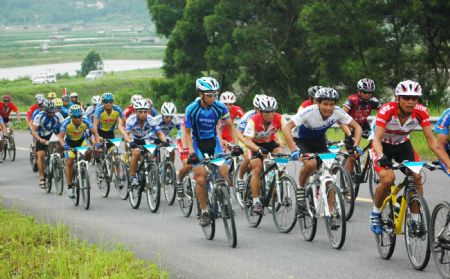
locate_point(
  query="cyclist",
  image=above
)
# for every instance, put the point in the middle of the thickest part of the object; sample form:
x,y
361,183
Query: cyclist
x,y
74,99
236,113
153,112
2,125
202,117
51,96
46,123
166,121
130,109
73,134
40,108
183,151
59,107
5,110
359,106
312,123
394,123
443,140
311,101
95,100
259,137
66,102
33,108
137,130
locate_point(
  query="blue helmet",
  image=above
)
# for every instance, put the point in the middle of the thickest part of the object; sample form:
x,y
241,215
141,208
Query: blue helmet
x,y
207,84
75,111
107,97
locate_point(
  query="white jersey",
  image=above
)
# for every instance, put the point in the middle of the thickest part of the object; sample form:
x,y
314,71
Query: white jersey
x,y
90,112
137,132
164,127
244,120
311,125
48,125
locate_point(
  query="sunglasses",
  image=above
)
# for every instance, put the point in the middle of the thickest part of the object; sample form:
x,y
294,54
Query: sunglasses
x,y
409,98
366,92
107,102
77,117
141,111
210,95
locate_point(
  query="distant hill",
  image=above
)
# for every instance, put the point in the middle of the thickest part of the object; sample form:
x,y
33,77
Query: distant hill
x,y
26,12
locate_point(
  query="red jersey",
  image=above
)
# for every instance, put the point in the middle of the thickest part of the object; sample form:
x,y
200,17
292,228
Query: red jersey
x,y
306,104
256,130
359,109
235,112
396,133
129,111
31,110
5,111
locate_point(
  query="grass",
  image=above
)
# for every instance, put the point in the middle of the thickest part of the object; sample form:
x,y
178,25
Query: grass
x,y
32,250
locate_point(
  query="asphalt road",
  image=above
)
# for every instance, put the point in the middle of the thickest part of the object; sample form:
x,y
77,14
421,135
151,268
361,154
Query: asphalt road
x,y
177,243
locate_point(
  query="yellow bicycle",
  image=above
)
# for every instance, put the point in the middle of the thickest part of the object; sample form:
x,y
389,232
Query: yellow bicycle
x,y
411,218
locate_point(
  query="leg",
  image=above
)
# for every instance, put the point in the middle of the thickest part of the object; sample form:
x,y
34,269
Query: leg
x,y
41,167
224,173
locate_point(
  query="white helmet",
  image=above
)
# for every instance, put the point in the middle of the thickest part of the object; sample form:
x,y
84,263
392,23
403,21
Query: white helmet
x,y
228,97
207,84
73,94
257,100
168,109
327,93
38,96
141,104
96,99
268,103
408,88
134,98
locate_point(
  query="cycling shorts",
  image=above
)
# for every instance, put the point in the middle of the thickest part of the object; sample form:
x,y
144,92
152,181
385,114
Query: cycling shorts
x,y
73,144
318,145
269,146
399,153
107,135
40,146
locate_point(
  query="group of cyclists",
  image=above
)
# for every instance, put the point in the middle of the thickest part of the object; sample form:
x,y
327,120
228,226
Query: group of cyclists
x,y
208,129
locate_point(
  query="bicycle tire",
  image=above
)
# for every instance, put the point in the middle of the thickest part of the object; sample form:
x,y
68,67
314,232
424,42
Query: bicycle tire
x,y
85,187
285,222
387,240
419,262
153,189
209,231
33,161
252,219
227,213
135,195
372,179
308,221
344,182
121,182
169,181
356,178
48,174
76,190
239,196
439,231
12,148
58,176
337,240
186,202
103,182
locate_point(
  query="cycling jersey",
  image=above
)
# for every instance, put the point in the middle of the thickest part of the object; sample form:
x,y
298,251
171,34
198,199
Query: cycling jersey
x,y
5,110
1,120
107,122
245,119
74,133
166,128
259,134
137,132
36,112
130,110
443,126
235,112
90,112
64,112
396,133
359,109
306,104
31,110
48,125
311,124
203,121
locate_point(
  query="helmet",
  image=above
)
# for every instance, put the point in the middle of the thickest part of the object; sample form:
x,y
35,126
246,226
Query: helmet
x,y
49,106
65,98
6,98
58,102
41,101
141,104
95,99
134,98
366,85
268,104
75,111
37,96
107,97
207,84
408,88
51,95
168,109
73,94
257,99
150,103
327,93
228,97
312,90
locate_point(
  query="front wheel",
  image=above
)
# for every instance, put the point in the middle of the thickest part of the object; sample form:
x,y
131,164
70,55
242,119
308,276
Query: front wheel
x,y
103,181
76,190
307,220
238,194
335,223
440,238
48,177
58,176
373,179
344,183
386,241
153,189
284,205
121,180
224,202
186,200
169,182
416,232
252,218
85,187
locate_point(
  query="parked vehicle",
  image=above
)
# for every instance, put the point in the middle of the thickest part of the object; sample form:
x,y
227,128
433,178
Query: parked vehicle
x,y
44,78
92,75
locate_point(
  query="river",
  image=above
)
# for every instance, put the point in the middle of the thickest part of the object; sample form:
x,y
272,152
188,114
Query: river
x,y
71,68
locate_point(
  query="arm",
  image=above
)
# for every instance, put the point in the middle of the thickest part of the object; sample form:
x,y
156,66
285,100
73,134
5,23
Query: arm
x,y
430,138
234,135
440,150
35,134
95,133
3,129
357,129
16,110
377,146
287,133
189,144
61,136
120,125
161,136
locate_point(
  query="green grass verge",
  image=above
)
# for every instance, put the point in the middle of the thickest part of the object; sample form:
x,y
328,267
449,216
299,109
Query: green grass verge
x,y
32,250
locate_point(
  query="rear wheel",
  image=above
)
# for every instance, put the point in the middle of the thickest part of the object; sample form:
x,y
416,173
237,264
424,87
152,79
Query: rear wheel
x,y
386,241
186,202
121,179
48,178
135,195
440,238
58,176
85,187
239,195
169,182
344,183
153,189
336,224
252,218
103,180
284,205
373,179
76,190
307,220
227,212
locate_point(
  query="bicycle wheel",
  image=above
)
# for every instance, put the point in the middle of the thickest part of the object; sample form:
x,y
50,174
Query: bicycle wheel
x,y
227,213
32,158
336,230
11,148
252,219
58,176
238,195
344,183
103,180
356,177
284,205
186,202
307,221
48,173
373,179
440,238
121,179
416,232
386,241
76,190
135,195
169,182
85,187
153,189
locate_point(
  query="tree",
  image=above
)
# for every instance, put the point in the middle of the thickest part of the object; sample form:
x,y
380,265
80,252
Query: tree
x,y
165,14
91,62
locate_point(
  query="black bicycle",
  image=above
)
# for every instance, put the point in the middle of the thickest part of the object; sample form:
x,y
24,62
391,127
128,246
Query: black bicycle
x,y
54,170
81,182
186,200
167,173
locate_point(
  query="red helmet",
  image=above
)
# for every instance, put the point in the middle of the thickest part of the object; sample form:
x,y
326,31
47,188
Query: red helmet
x,y
6,98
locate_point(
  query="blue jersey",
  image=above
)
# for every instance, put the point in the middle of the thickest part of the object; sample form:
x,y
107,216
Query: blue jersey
x,y
1,120
64,112
443,126
166,128
35,113
137,132
153,112
47,125
202,121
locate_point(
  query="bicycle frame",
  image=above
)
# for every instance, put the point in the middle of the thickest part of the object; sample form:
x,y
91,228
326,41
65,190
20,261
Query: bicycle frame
x,y
277,164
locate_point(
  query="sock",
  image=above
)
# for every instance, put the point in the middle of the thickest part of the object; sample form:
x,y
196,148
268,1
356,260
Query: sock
x,y
255,200
415,217
376,209
204,211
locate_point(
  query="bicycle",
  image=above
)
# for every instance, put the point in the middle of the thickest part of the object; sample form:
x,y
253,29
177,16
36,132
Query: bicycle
x,y
219,200
234,174
168,173
54,170
440,236
9,145
392,218
186,200
112,165
148,178
81,183
278,190
32,158
319,190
